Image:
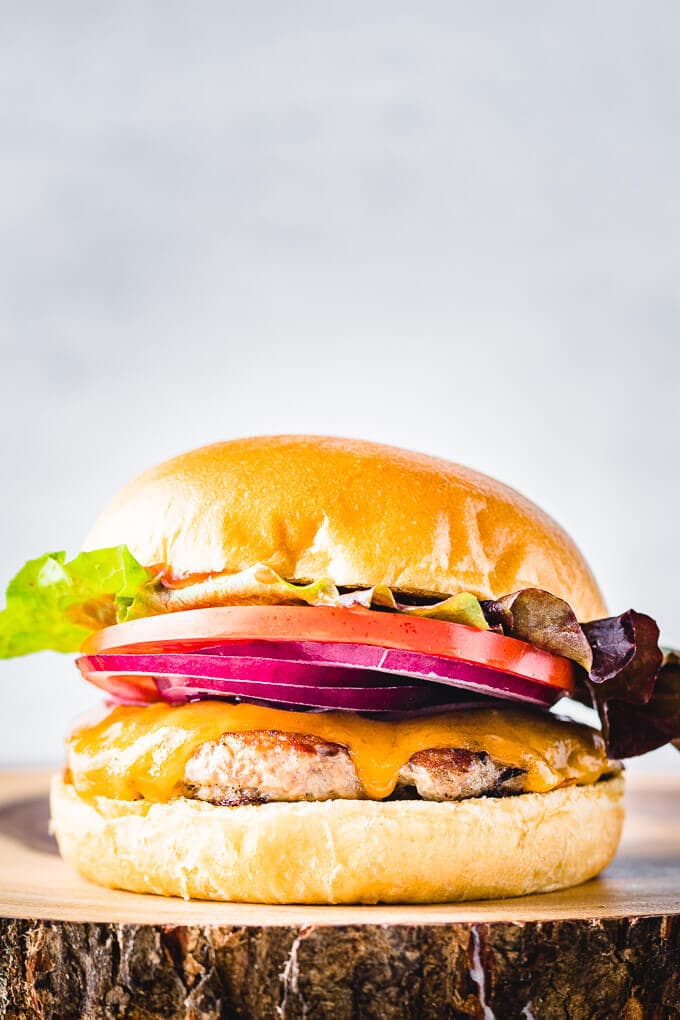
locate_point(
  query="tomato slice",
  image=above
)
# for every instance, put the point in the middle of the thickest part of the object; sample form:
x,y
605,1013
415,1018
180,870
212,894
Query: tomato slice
x,y
192,628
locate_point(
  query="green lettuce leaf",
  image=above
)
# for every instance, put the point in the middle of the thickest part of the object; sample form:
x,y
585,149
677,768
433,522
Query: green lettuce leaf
x,y
256,585
52,604
461,608
261,584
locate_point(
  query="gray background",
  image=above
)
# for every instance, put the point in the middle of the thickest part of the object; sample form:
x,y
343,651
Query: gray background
x,y
452,226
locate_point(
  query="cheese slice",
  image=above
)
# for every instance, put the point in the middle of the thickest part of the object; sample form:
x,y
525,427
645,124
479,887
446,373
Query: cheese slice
x,y
141,752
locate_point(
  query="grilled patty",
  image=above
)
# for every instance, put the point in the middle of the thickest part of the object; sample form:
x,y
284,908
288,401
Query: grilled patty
x,y
266,765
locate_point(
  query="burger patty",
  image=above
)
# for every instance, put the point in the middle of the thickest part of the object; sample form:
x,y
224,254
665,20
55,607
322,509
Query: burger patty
x,y
266,765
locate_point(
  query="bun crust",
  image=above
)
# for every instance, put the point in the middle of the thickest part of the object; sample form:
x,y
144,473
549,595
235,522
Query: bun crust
x,y
343,851
359,512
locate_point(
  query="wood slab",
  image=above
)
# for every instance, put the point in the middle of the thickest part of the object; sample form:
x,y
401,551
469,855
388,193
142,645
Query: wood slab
x,y
610,947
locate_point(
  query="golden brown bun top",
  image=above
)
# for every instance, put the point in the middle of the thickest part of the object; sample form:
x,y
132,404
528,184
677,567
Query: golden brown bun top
x,y
358,512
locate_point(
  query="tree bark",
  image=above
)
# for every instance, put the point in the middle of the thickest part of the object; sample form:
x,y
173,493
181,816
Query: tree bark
x,y
628,969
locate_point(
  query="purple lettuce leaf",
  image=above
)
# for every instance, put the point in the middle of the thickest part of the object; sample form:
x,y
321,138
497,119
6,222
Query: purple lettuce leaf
x,y
543,620
634,687
623,673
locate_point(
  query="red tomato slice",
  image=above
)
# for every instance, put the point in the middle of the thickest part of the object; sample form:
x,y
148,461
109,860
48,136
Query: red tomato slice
x,y
192,628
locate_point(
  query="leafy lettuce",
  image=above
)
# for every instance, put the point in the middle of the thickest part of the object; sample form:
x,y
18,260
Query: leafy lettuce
x,y
541,619
634,686
261,584
54,604
256,585
624,675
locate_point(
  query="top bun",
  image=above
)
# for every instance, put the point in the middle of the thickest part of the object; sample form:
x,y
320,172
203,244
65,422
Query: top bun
x,y
358,512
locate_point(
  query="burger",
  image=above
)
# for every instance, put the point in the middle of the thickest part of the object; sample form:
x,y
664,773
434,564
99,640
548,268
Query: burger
x,y
330,671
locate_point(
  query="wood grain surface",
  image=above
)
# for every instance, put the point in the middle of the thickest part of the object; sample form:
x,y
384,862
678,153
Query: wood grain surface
x,y
610,947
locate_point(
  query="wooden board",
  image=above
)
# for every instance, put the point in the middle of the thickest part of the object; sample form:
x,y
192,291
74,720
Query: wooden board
x,y
609,947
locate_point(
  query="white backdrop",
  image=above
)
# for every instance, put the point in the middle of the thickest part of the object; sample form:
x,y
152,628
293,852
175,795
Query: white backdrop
x,y
449,226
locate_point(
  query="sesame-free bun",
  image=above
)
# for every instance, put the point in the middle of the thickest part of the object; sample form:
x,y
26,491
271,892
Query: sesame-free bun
x,y
343,851
358,512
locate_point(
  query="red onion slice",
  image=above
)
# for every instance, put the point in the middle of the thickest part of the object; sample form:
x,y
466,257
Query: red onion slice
x,y
418,677
258,669
179,689
432,668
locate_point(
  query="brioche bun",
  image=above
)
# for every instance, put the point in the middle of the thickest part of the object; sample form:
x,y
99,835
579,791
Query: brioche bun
x,y
343,851
358,512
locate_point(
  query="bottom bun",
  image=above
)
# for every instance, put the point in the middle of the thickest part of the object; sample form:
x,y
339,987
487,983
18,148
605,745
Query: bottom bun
x,y
343,851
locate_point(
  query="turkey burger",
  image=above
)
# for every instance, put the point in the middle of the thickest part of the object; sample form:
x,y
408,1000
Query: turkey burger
x,y
330,669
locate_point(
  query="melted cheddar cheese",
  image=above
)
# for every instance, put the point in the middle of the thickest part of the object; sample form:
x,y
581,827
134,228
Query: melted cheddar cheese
x,y
141,752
